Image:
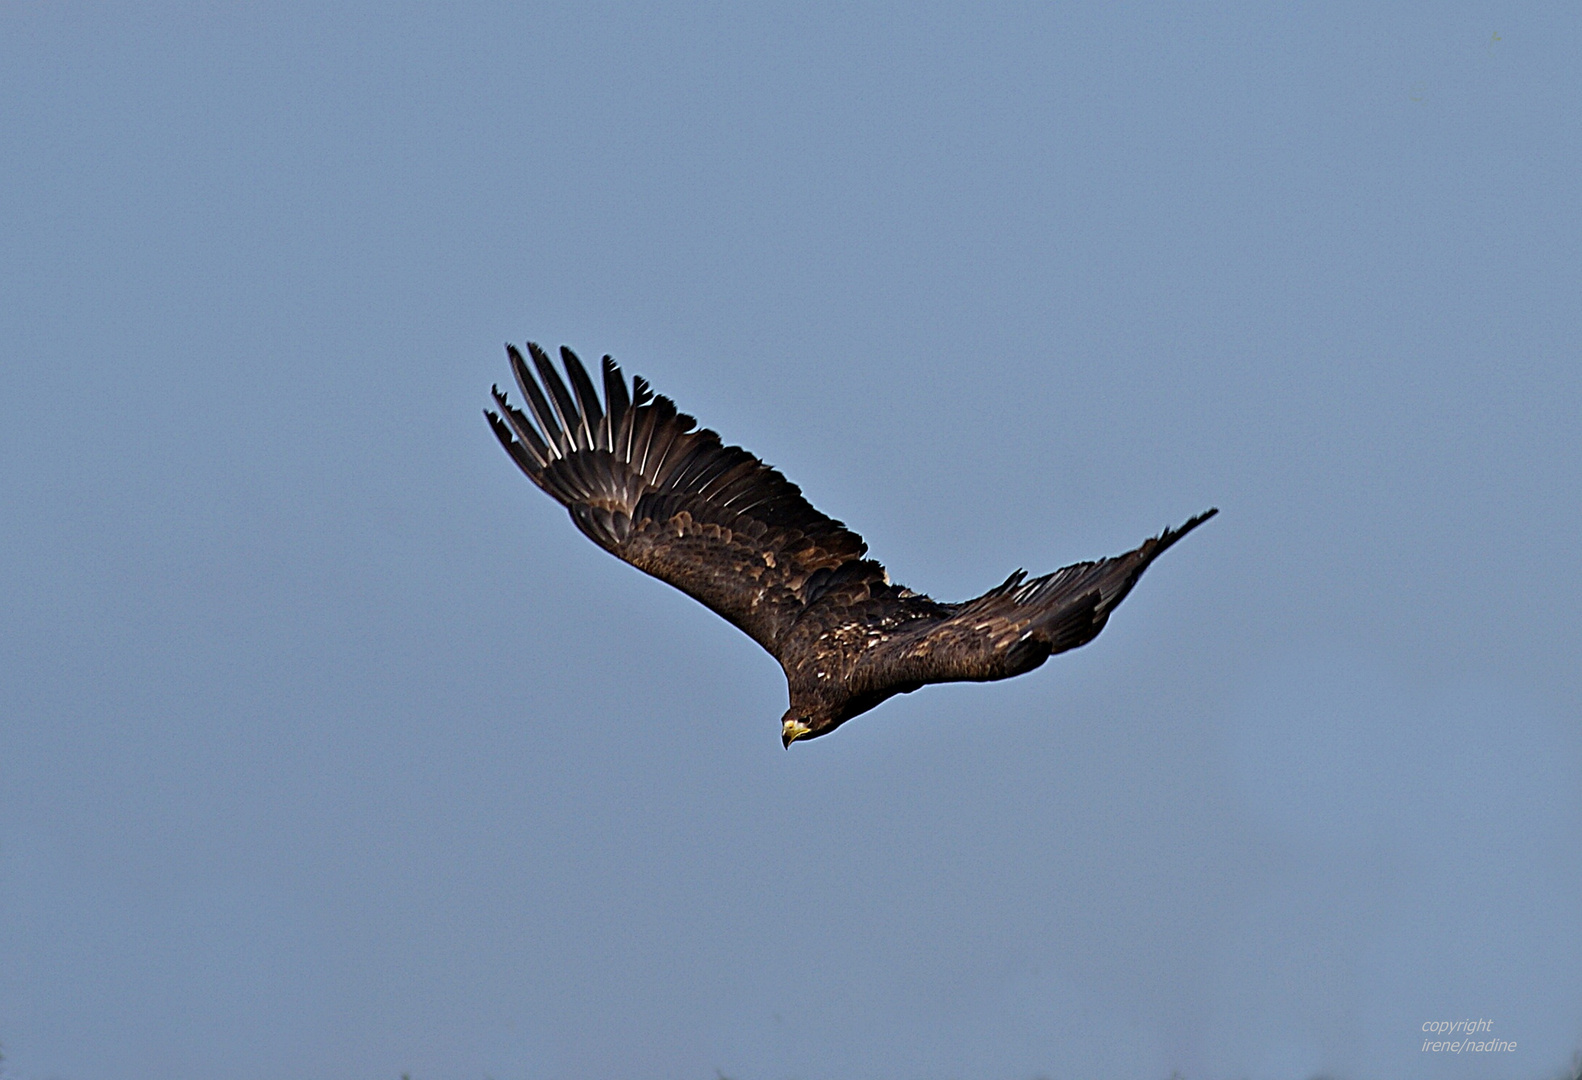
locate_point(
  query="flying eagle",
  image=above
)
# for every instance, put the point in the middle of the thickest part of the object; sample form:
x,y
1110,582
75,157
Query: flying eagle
x,y
737,536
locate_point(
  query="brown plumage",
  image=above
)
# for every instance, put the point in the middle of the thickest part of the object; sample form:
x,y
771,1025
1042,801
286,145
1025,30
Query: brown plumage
x,y
734,534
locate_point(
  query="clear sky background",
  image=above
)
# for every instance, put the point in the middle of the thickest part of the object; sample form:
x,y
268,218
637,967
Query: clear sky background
x,y
329,748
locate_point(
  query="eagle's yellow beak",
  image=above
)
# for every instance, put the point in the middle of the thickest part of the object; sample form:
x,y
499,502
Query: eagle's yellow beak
x,y
791,731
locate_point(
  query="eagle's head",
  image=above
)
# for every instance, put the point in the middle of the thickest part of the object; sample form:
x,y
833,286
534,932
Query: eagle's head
x,y
803,723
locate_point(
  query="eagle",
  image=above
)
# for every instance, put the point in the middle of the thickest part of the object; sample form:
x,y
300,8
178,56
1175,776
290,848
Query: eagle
x,y
642,481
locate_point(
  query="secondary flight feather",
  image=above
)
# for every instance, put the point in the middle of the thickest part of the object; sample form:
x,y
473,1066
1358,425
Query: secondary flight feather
x,y
642,481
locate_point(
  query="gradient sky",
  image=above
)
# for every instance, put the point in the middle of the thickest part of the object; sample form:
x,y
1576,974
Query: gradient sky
x,y
329,748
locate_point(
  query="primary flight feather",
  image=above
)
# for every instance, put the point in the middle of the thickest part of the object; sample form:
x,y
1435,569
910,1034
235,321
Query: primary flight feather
x,y
731,532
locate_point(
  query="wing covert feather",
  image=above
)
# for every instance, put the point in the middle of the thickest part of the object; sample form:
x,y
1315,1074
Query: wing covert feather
x,y
675,502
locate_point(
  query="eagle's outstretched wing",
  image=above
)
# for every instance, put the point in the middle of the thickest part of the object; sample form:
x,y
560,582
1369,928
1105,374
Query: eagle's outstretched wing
x,y
1015,626
639,481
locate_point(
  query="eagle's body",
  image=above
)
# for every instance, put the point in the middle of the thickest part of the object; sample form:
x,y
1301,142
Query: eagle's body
x,y
736,535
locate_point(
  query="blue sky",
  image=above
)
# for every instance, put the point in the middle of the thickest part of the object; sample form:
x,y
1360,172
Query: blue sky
x,y
328,747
